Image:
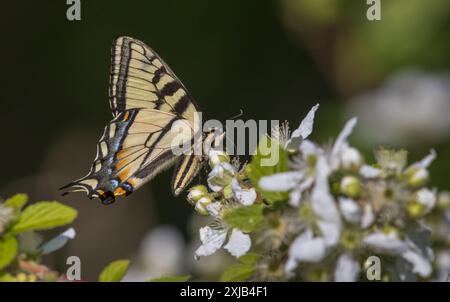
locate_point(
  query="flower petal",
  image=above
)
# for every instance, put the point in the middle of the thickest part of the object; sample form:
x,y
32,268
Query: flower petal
x,y
368,217
305,248
341,142
350,210
347,269
421,265
211,239
389,243
57,242
321,199
368,171
238,244
306,126
331,232
245,196
426,161
284,181
220,176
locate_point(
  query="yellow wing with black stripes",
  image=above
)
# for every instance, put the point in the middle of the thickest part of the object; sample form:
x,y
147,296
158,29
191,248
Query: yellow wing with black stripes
x,y
148,102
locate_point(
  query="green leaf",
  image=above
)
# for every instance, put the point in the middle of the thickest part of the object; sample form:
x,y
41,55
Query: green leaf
x,y
44,215
17,202
243,270
8,250
250,258
182,278
6,277
258,168
246,219
115,271
237,272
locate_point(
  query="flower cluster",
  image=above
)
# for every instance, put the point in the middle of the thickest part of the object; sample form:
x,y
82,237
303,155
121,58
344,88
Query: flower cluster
x,y
228,190
322,212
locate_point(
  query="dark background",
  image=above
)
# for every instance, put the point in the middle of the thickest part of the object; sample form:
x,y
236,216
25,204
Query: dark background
x,y
272,59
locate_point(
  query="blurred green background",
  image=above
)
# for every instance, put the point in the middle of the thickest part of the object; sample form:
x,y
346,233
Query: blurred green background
x,y
272,59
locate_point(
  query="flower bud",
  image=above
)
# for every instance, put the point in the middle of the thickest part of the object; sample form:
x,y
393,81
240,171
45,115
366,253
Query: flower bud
x,y
196,193
201,205
221,176
351,159
443,200
416,177
216,157
423,202
350,186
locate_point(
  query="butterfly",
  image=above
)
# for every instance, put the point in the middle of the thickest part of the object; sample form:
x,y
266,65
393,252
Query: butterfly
x,y
147,101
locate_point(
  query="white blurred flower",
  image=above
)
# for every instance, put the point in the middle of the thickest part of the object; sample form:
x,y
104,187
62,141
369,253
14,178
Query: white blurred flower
x,y
213,236
418,257
161,254
410,107
305,248
347,269
245,196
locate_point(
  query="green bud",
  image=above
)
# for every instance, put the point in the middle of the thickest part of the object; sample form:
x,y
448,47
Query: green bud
x,y
351,186
416,177
201,205
196,193
443,200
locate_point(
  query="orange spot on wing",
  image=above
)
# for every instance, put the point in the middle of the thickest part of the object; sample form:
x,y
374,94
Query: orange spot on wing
x,y
126,116
119,192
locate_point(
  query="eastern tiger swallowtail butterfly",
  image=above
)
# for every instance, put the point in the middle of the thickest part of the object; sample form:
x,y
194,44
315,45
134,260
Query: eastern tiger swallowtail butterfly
x,y
146,100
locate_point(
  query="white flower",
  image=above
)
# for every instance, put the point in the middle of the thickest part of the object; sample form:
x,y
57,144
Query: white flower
x,y
245,196
347,269
410,107
305,248
420,260
214,237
